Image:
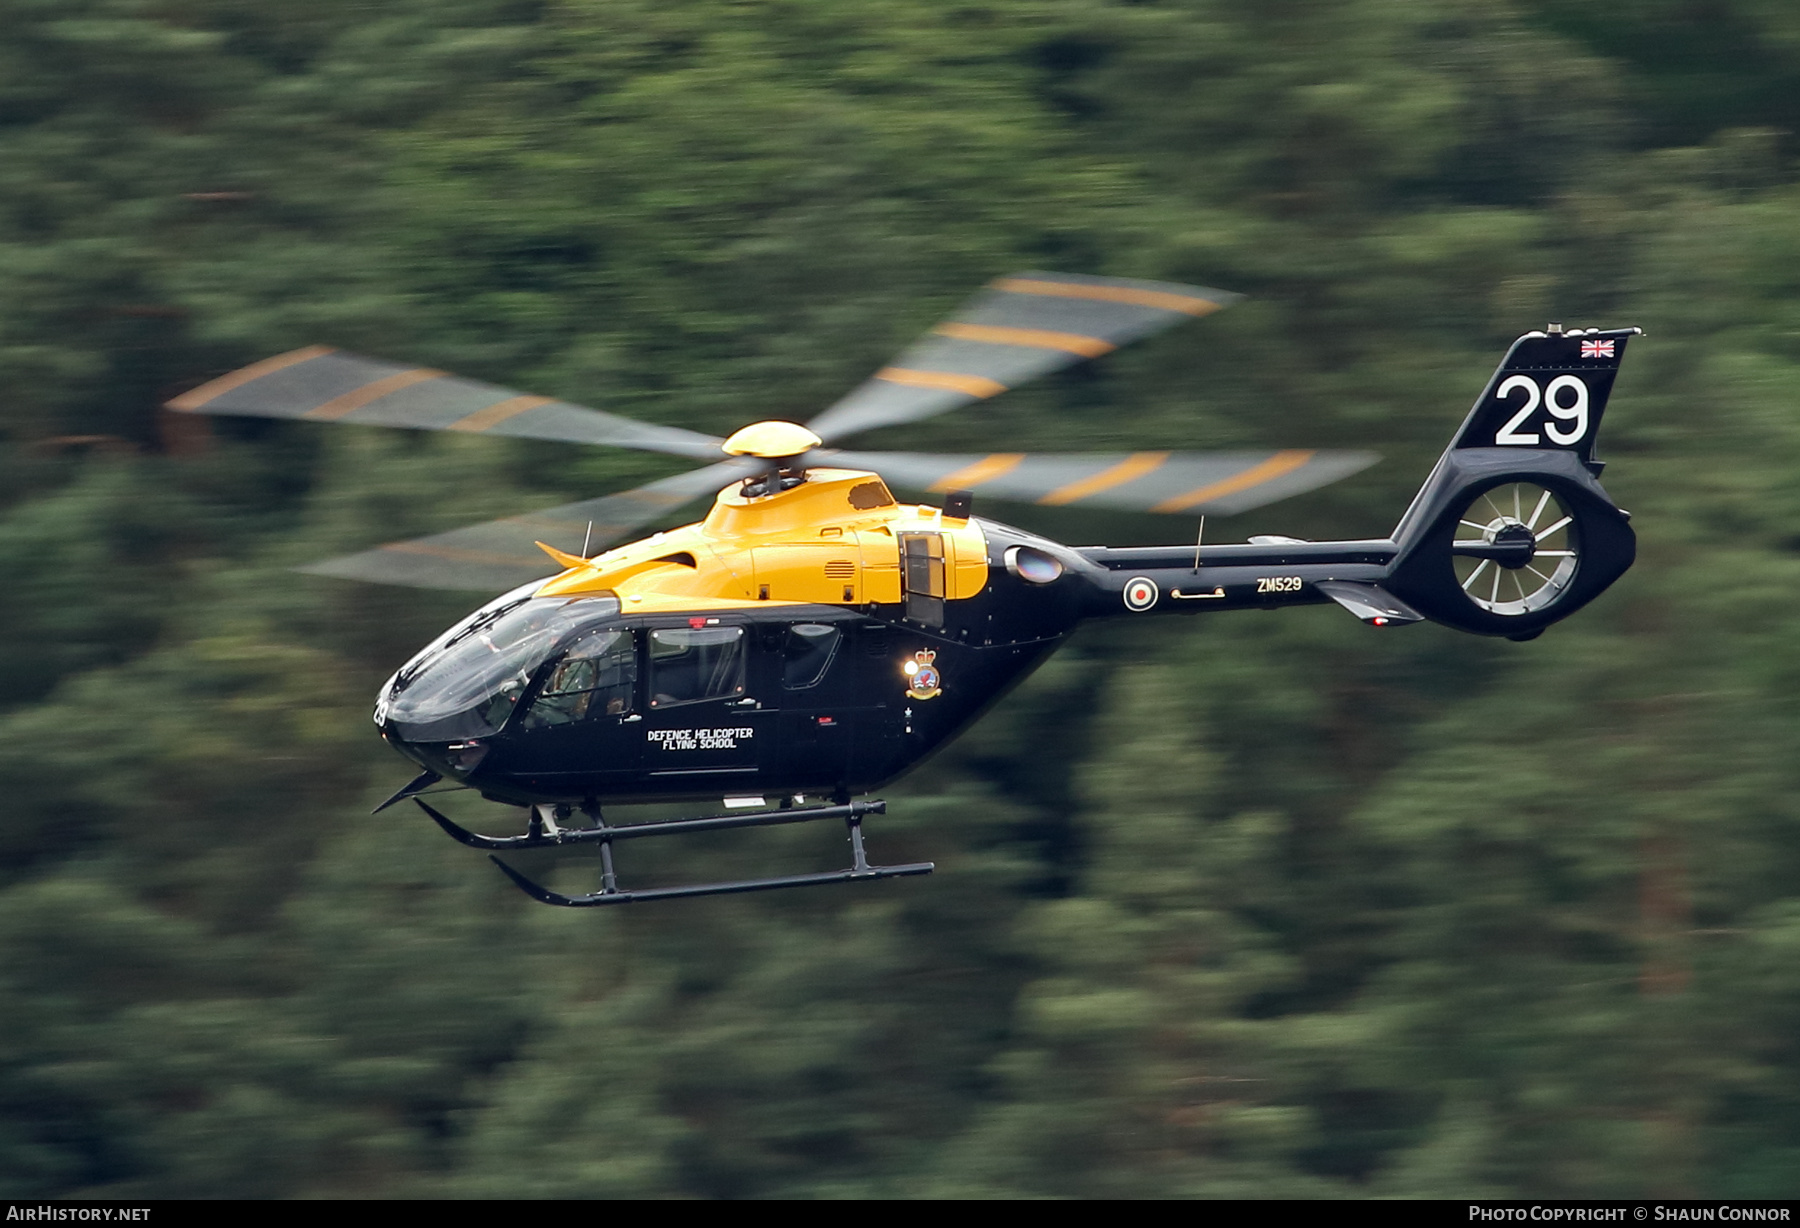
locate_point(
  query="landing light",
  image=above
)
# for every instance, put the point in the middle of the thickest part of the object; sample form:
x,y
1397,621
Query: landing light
x,y
465,757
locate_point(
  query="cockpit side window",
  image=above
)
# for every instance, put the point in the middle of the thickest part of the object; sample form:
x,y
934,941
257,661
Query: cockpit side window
x,y
807,653
470,681
596,677
689,664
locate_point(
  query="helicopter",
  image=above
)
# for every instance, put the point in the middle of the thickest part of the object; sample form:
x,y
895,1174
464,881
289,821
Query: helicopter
x,y
813,637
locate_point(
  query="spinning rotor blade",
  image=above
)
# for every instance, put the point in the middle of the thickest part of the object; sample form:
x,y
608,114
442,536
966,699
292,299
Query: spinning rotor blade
x,y
1018,328
320,384
503,554
1217,482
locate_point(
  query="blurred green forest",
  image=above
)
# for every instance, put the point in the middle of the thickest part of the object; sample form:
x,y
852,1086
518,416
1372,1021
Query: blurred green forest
x,y
1248,906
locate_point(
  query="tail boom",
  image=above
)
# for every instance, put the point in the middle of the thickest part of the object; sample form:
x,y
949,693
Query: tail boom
x,y
1511,532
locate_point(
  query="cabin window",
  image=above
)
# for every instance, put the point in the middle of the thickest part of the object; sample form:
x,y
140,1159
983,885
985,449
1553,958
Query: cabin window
x,y
689,664
807,654
596,677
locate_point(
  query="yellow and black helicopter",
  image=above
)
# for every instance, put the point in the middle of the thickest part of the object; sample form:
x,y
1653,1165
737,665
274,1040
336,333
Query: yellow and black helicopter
x,y
814,636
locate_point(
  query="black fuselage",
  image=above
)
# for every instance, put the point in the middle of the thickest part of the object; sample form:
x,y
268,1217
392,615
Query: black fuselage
x,y
553,700
794,699
785,698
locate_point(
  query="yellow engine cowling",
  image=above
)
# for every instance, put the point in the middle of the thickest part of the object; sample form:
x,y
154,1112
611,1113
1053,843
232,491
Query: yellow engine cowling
x,y
833,539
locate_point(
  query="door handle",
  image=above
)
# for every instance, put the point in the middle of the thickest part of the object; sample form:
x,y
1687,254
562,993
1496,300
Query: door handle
x,y
746,703
626,720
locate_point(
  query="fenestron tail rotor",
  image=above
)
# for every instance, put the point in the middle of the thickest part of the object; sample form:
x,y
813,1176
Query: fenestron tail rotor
x,y
1516,549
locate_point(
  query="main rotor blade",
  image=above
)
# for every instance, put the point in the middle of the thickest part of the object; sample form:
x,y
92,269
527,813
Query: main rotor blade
x,y
1018,328
320,384
503,554
1216,482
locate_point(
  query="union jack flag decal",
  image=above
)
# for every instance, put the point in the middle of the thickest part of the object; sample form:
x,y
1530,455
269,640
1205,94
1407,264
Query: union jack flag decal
x,y
1597,349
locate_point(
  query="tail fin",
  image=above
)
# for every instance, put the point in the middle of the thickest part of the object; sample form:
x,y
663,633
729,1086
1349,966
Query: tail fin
x,y
1512,531
1549,392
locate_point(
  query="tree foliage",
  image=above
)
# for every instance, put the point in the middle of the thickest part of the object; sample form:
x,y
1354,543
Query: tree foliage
x,y
1265,906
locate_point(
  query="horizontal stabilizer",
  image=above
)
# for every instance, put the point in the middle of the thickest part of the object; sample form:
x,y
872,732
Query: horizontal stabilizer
x,y
1370,602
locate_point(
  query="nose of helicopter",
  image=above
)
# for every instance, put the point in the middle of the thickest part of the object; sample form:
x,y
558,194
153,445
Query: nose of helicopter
x,y
445,707
435,730
457,758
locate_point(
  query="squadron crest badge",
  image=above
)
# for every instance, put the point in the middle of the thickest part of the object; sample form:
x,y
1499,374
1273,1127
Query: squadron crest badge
x,y
923,679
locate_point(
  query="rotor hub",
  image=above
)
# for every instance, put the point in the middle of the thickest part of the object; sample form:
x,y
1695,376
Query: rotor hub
x,y
777,441
1513,537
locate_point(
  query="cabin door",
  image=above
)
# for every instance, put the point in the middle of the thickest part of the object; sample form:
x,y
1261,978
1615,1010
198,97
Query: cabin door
x,y
700,720
818,705
582,726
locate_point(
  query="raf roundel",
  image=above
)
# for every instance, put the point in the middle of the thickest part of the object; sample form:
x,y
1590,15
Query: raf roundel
x,y
1140,594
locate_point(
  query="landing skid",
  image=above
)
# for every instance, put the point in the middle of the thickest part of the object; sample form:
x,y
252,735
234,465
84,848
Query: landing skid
x,y
545,832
